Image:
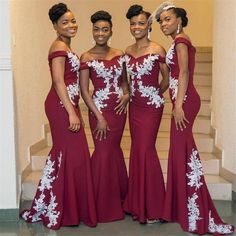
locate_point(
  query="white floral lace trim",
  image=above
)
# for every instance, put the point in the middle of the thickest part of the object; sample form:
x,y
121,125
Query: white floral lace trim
x,y
75,63
152,94
145,68
111,78
193,213
220,228
170,55
40,206
73,90
196,172
142,69
173,85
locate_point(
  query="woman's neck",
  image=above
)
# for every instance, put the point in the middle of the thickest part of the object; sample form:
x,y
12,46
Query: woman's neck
x,y
66,40
101,48
142,43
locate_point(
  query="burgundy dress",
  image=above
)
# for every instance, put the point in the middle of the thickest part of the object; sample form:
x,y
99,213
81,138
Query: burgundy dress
x,y
187,198
108,166
65,194
146,185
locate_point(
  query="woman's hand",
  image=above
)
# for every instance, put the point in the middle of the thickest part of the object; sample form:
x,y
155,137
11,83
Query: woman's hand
x,y
101,129
122,104
74,122
180,119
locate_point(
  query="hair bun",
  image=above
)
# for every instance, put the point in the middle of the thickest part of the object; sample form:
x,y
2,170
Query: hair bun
x,y
101,15
56,11
134,10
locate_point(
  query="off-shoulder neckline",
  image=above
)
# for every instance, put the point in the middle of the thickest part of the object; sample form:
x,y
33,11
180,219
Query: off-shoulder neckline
x,y
104,59
183,39
147,54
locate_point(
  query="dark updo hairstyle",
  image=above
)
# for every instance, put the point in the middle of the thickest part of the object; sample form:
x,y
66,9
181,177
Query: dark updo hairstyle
x,y
101,15
180,12
135,10
56,11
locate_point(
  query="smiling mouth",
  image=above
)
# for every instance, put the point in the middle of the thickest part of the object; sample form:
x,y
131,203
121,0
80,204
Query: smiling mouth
x,y
72,31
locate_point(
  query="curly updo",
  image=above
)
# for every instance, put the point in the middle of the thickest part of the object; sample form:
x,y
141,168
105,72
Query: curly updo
x,y
180,12
56,11
101,15
135,10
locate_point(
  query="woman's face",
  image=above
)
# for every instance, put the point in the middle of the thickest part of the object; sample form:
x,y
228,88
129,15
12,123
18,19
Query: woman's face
x,y
169,22
139,26
66,25
101,32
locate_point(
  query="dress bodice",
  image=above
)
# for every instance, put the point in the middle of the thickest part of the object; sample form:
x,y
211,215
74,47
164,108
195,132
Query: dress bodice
x,y
106,77
172,62
144,75
71,73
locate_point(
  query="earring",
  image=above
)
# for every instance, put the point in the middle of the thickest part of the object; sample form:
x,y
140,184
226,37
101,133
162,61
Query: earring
x,y
178,29
93,41
109,41
149,34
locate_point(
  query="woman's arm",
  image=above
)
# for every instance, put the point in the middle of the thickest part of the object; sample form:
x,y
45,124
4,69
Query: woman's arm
x,y
124,99
182,55
58,69
102,127
164,84
165,77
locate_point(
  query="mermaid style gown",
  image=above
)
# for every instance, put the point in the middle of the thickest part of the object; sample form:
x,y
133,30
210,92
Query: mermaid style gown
x,y
146,185
187,198
108,166
64,196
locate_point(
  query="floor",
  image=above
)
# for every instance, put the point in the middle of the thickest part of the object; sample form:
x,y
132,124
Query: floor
x,y
127,227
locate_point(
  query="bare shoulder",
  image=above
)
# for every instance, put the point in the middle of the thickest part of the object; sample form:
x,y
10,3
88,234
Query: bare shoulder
x,y
158,49
117,52
185,36
129,49
58,46
86,56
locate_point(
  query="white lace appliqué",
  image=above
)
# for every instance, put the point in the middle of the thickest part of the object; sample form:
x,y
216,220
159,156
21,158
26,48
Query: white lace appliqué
x,y
152,94
193,213
111,78
75,63
40,206
173,85
145,68
194,177
196,172
220,228
73,90
170,55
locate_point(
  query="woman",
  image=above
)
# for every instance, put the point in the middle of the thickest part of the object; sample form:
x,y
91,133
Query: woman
x,y
107,115
144,60
187,198
64,195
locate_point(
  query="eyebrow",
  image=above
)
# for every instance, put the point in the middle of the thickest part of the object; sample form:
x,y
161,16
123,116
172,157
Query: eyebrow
x,y
105,27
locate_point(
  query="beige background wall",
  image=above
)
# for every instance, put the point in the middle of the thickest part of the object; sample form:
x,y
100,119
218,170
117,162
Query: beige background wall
x,y
224,83
32,34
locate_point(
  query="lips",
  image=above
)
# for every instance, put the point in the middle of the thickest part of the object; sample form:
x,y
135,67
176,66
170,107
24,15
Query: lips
x,y
72,31
137,31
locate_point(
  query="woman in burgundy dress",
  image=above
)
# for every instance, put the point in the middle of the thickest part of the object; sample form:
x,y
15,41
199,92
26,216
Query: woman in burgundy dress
x,y
144,60
187,198
64,195
107,105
